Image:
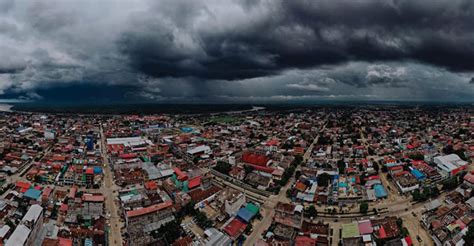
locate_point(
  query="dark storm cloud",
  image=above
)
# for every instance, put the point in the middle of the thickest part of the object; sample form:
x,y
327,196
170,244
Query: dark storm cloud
x,y
471,81
304,34
233,49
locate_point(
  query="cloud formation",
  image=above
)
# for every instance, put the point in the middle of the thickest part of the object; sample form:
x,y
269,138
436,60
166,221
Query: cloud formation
x,y
227,49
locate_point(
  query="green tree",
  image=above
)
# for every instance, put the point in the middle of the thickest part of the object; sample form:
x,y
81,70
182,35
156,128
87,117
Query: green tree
x,y
416,195
404,232
461,154
202,220
223,167
248,169
311,211
450,183
364,207
323,179
79,218
399,223
248,229
417,156
170,231
297,174
289,193
341,165
376,166
425,194
298,159
434,191
469,237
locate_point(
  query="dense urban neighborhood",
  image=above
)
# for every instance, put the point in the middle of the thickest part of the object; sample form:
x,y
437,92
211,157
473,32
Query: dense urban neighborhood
x,y
363,175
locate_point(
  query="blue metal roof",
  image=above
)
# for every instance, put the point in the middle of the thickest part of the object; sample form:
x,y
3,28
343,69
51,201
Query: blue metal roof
x,y
245,214
32,193
380,191
417,174
97,170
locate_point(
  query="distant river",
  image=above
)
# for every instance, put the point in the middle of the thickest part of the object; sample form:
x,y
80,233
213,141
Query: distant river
x,y
6,107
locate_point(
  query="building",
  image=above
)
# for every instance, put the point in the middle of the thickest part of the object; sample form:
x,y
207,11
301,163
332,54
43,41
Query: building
x,y
27,231
141,222
216,237
450,165
288,214
233,204
469,180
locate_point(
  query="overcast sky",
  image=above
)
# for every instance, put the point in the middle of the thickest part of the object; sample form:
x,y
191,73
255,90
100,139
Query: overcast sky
x,y
238,50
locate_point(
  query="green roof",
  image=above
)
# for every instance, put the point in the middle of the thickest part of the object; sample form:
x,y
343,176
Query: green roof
x,y
252,208
350,230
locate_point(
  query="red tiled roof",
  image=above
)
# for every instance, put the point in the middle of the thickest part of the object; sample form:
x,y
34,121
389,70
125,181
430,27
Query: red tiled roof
x,y
382,233
46,192
469,178
198,195
65,241
23,185
261,168
59,158
92,198
90,170
304,241
374,177
185,241
149,209
255,159
300,186
298,150
273,142
181,175
194,182
151,185
128,156
235,228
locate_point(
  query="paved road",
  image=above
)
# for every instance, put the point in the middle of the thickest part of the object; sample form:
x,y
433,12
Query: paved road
x,y
109,190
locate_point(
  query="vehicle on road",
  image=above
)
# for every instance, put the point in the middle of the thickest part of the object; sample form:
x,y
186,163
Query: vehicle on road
x,y
418,238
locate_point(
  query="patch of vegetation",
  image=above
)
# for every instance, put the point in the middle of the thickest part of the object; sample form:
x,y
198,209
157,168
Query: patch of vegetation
x,y
170,232
311,211
223,167
364,208
425,194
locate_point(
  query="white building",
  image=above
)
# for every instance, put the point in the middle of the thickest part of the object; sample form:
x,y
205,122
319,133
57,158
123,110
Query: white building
x,y
202,149
129,141
233,205
450,165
